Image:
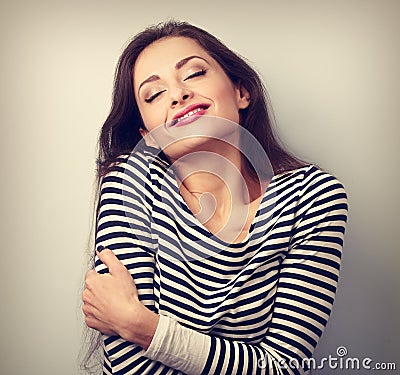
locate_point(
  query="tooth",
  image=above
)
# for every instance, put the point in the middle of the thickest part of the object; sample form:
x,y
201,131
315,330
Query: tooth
x,y
189,113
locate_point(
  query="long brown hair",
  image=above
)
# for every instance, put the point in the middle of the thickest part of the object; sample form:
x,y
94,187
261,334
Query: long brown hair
x,y
120,132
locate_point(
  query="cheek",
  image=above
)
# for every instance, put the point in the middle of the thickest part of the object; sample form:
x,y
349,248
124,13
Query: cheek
x,y
226,103
151,118
224,92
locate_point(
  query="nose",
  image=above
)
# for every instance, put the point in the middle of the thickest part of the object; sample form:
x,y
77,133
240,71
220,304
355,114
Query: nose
x,y
179,96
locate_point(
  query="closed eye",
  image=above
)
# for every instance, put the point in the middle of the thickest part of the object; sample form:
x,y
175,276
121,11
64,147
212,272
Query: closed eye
x,y
152,97
196,74
193,75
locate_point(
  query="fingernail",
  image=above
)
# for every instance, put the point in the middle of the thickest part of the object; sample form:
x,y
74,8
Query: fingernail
x,y
100,248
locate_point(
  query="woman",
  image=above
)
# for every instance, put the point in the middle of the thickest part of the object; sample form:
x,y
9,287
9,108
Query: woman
x,y
177,288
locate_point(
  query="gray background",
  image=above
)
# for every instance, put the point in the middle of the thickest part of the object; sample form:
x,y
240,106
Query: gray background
x,y
332,71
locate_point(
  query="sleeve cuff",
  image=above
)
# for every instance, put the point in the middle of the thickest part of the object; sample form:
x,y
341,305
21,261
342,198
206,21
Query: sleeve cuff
x,y
158,338
179,347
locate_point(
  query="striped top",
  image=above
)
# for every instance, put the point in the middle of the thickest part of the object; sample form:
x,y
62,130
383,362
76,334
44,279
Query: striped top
x,y
261,304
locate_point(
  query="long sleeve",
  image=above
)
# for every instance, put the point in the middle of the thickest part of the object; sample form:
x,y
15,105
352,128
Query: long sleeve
x,y
261,312
124,215
305,294
123,226
179,347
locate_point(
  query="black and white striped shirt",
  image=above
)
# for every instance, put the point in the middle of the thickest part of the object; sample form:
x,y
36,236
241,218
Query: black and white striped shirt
x,y
256,306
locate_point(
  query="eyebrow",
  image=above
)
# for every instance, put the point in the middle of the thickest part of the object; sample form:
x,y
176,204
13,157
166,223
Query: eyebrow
x,y
178,66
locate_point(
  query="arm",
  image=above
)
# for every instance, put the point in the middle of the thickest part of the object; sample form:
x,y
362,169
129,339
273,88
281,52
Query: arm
x,y
304,298
119,291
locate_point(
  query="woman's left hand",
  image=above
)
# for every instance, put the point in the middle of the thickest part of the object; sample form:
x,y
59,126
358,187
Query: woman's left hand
x,y
111,303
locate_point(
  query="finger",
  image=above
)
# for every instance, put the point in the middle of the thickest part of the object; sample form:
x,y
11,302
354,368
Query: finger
x,y
87,296
90,309
90,273
87,309
92,322
89,279
110,261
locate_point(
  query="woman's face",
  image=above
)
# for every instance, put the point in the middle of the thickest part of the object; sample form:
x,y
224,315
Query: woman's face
x,y
175,77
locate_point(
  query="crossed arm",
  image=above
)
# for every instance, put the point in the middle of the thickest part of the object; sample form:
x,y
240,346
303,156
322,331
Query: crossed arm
x,y
112,306
304,297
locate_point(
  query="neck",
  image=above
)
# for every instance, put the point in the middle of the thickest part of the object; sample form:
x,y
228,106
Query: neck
x,y
217,169
218,189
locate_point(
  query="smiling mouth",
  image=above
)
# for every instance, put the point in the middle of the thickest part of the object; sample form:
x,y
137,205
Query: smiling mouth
x,y
189,117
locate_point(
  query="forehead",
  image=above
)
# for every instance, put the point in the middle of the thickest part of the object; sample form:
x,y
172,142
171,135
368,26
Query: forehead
x,y
163,54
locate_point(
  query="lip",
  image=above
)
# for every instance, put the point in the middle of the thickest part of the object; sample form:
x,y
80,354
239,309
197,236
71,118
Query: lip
x,y
191,118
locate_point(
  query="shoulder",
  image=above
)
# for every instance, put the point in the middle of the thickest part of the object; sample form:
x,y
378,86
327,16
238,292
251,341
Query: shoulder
x,y
131,180
313,186
138,166
134,176
311,178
